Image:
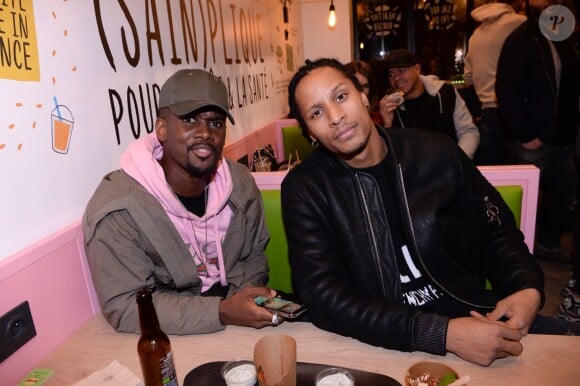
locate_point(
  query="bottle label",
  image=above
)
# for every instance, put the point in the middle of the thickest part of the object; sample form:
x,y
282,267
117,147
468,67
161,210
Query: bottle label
x,y
168,375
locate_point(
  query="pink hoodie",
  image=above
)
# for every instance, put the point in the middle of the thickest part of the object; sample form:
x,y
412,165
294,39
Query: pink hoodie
x,y
202,235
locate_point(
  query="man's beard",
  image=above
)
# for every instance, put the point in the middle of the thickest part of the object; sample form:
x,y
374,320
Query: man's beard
x,y
356,150
207,171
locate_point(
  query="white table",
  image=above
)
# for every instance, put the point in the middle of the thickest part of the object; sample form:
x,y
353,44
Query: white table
x,y
546,359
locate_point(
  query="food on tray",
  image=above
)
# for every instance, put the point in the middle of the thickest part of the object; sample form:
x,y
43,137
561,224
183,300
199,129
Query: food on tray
x,y
427,379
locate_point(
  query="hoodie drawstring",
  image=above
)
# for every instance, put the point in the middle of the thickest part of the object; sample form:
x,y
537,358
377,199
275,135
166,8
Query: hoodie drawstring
x,y
220,253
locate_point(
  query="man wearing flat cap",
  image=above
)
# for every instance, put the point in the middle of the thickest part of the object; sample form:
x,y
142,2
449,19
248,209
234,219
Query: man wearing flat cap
x,y
429,103
181,219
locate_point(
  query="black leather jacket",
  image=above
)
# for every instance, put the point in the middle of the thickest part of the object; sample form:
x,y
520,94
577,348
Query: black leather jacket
x,y
343,263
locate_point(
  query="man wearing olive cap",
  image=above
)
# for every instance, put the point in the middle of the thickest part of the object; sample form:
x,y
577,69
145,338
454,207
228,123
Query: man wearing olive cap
x,y
180,218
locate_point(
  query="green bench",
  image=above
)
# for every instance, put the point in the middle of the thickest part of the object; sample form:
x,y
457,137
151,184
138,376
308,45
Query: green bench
x,y
277,248
294,142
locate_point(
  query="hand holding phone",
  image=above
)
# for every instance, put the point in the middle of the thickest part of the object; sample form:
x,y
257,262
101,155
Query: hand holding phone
x,y
284,308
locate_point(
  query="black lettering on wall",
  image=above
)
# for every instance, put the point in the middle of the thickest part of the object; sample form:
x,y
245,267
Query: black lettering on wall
x,y
244,36
243,99
212,23
148,121
117,110
230,95
174,58
188,31
204,35
102,36
132,60
142,111
227,59
233,8
259,37
132,105
14,53
22,22
154,35
253,36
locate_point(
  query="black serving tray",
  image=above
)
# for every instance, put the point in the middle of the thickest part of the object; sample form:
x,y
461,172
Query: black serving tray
x,y
209,374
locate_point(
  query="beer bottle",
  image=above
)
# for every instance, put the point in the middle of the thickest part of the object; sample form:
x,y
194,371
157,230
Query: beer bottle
x,y
154,347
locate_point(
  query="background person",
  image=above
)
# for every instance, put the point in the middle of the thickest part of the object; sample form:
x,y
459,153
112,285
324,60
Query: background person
x,y
364,74
538,87
430,103
181,219
392,233
497,20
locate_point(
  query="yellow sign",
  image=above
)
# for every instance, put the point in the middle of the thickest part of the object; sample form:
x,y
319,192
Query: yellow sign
x,y
18,44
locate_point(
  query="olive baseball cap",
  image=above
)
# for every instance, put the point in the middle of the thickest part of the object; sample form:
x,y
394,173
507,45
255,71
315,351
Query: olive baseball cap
x,y
189,90
400,58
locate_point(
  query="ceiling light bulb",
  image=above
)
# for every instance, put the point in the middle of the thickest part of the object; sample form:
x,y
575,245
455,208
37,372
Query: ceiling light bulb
x,y
331,16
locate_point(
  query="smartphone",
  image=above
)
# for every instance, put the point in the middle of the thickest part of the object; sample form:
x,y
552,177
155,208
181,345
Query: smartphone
x,y
284,308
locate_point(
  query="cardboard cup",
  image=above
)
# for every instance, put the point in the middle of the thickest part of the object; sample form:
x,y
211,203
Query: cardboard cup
x,y
275,360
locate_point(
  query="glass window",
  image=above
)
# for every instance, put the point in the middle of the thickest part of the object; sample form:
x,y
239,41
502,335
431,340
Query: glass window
x,y
437,31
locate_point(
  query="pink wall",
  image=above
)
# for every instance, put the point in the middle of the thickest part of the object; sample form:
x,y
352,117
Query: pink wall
x,y
54,277
258,138
269,134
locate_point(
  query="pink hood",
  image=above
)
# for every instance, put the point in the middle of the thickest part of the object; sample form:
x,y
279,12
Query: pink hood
x,y
202,235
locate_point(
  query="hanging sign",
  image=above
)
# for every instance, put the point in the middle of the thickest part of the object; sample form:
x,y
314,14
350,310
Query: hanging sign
x,y
440,14
382,20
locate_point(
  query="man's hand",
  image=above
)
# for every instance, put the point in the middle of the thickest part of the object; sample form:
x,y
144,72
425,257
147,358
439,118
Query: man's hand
x,y
240,309
534,144
481,341
519,309
387,107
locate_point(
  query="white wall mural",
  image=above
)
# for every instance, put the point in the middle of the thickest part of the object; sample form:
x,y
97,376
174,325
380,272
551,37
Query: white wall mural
x,y
79,80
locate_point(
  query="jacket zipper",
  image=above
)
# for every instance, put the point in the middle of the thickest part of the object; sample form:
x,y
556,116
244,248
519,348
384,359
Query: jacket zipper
x,y
411,236
374,246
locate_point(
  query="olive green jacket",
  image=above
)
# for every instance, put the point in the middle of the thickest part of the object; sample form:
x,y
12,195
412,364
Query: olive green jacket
x,y
131,243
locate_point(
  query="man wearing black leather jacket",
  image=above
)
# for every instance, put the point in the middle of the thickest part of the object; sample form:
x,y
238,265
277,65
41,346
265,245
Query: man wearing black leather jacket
x,y
392,234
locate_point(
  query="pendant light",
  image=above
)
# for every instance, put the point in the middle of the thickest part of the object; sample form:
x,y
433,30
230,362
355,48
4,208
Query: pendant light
x,y
331,16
